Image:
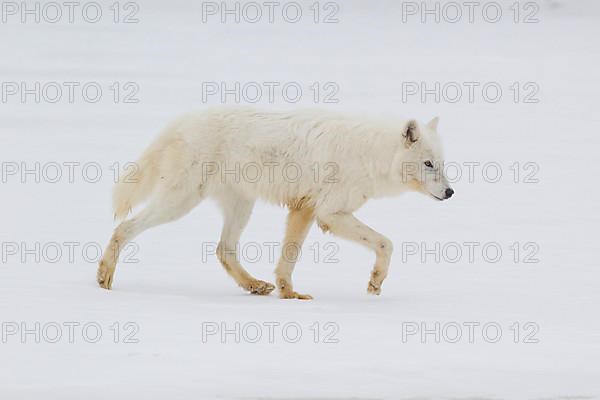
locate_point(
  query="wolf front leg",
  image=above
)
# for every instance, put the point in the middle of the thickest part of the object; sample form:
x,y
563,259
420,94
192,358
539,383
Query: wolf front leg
x,y
346,226
298,225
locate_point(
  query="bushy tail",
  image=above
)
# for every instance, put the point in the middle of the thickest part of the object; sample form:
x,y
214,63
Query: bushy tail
x,y
136,182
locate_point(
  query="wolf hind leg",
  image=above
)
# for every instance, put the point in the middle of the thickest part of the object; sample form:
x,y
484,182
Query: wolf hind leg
x,y
299,222
165,206
237,211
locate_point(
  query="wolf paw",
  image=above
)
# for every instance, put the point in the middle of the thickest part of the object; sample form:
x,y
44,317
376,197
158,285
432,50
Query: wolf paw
x,y
294,295
374,288
260,287
105,275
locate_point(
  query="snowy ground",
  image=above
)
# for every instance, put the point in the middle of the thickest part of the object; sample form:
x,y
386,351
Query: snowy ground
x,y
166,303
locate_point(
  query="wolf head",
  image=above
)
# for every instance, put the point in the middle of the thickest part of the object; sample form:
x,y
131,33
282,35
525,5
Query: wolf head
x,y
423,161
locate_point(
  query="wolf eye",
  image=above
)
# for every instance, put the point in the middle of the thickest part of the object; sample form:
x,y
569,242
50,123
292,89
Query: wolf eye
x,y
428,164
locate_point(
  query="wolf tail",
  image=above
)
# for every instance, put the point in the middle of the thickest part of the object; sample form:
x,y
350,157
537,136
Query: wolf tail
x,y
136,183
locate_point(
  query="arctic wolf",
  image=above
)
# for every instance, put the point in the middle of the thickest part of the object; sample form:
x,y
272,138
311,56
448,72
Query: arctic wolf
x,y
322,166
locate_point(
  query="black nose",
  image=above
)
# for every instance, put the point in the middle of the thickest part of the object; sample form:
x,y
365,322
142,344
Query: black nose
x,y
449,193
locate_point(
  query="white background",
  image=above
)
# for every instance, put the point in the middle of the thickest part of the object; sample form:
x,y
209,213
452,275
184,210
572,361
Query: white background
x,y
174,289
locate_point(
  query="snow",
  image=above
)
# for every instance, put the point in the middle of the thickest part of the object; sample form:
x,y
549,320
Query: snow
x,y
176,292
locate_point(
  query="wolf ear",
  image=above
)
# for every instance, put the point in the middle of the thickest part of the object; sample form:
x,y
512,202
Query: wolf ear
x,y
411,134
433,124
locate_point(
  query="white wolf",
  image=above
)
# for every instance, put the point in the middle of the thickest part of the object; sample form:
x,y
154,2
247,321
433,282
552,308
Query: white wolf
x,y
320,165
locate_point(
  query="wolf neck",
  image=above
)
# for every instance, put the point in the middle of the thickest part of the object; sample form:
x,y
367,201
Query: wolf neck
x,y
385,162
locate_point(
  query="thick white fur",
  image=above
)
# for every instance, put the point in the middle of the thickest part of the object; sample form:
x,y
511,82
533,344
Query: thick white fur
x,y
321,165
